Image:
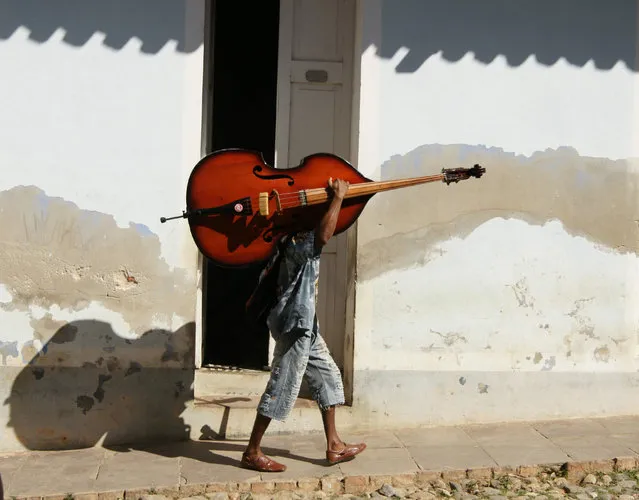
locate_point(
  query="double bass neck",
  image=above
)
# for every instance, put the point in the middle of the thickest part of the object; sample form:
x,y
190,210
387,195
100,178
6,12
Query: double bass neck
x,y
321,195
316,196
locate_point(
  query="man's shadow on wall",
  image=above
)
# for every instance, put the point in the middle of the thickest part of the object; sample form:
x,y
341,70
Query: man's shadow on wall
x,y
87,386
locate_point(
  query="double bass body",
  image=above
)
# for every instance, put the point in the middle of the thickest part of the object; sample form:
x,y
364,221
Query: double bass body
x,y
238,207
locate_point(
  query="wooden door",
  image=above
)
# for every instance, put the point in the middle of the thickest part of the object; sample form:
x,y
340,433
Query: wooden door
x,y
314,115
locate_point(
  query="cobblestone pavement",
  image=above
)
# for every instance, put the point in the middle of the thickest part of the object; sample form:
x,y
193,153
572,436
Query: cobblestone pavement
x,y
546,486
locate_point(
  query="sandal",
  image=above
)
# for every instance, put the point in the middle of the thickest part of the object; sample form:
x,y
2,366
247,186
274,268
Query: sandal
x,y
348,453
261,464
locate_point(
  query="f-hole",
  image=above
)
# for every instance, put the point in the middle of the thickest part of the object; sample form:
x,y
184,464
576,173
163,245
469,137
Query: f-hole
x,y
258,168
244,82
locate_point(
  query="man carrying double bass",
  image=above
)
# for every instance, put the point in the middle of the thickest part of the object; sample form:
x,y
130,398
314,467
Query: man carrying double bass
x,y
300,350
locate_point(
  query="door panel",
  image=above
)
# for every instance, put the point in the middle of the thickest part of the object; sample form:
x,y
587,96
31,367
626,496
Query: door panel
x,y
314,115
312,119
315,30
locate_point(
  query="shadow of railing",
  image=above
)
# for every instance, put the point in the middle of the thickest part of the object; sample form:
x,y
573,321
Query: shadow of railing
x,y
578,31
154,22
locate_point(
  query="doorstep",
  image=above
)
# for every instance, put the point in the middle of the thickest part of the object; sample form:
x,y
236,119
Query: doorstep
x,y
226,399
232,416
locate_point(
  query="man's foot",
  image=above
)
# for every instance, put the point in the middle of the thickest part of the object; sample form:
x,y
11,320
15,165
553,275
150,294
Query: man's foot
x,y
261,463
344,452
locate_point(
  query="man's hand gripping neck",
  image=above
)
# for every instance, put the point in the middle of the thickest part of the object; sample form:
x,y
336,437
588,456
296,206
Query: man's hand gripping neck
x,y
326,227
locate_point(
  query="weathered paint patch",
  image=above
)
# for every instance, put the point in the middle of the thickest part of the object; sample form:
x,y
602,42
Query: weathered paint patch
x,y
451,338
99,392
8,349
134,367
29,351
584,322
602,354
46,326
592,197
522,294
469,290
55,255
549,364
85,403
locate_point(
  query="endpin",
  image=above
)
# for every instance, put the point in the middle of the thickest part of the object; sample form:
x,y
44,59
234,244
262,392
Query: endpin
x,y
164,219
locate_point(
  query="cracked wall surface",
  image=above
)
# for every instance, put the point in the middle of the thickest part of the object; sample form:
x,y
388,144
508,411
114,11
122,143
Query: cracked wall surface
x,y
594,198
530,271
512,296
71,381
97,297
54,254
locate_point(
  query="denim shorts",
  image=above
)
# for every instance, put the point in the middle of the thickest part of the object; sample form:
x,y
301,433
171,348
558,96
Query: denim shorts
x,y
301,353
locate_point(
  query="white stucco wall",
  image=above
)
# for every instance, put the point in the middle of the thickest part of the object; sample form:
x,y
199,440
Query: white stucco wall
x,y
101,120
513,296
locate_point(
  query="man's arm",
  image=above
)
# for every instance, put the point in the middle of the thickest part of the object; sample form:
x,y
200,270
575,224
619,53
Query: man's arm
x,y
326,227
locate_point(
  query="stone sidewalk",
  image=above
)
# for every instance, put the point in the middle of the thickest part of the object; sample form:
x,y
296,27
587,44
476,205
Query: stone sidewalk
x,y
398,457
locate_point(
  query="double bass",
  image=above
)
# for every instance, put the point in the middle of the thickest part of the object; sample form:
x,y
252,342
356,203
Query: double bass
x,y
238,207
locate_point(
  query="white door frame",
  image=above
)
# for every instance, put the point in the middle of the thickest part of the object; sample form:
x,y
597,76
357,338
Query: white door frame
x,y
281,161
205,148
284,70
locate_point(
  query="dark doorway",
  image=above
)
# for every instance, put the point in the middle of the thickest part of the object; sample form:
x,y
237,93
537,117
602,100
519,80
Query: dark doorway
x,y
244,78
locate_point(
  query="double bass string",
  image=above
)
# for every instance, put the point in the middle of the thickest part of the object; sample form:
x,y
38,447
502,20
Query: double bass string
x,y
292,199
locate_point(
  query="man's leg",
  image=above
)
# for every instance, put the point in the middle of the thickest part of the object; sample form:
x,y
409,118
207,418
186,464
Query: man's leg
x,y
325,382
289,364
259,428
333,441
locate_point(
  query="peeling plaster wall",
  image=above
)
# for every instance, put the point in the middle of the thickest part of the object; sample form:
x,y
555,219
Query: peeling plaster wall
x,y
513,296
101,125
